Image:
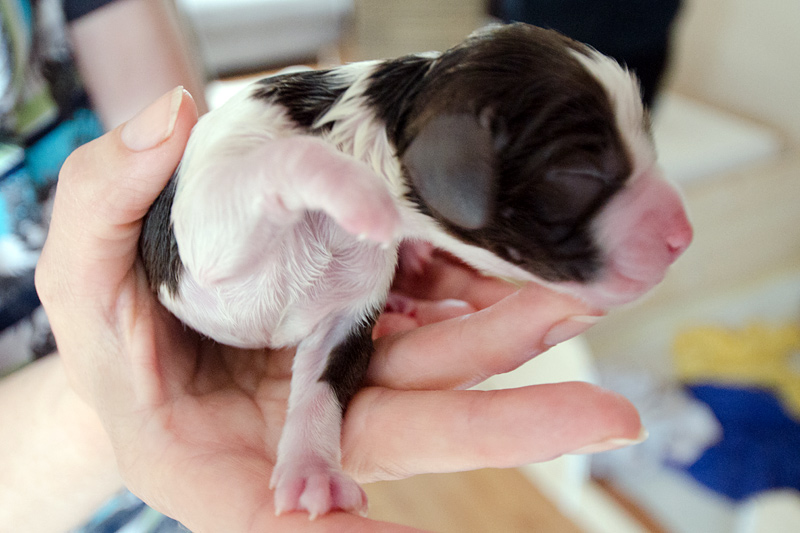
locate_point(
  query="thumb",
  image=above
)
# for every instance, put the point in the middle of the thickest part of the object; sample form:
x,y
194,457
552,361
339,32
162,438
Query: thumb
x,y
105,188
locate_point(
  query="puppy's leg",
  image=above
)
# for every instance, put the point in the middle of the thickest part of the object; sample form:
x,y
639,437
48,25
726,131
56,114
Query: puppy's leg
x,y
232,207
327,372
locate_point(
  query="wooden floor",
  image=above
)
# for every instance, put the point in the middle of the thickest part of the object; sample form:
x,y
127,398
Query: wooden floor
x,y
496,501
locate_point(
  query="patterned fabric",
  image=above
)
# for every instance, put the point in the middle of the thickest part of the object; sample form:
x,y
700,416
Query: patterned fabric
x,y
44,115
127,514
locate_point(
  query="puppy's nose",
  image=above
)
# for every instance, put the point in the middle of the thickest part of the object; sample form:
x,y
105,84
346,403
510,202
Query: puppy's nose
x,y
679,235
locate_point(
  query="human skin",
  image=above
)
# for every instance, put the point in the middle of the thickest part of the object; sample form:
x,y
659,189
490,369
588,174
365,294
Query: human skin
x,y
194,425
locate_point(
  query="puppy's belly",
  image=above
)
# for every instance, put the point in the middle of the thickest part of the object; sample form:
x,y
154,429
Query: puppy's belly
x,y
297,287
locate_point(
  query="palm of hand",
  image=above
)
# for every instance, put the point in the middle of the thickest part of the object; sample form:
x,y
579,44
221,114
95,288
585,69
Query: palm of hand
x,y
212,415
212,423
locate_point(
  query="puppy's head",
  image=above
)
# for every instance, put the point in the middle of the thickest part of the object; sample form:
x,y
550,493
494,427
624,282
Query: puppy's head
x,y
537,148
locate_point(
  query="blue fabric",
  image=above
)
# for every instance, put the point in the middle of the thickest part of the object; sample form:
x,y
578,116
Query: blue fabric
x,y
760,449
127,512
5,218
43,160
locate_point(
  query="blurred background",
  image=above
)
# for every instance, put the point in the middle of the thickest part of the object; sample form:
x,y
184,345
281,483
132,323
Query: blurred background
x,y
712,359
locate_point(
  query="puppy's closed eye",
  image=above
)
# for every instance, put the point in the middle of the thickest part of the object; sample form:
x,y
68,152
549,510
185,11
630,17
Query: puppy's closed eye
x,y
570,194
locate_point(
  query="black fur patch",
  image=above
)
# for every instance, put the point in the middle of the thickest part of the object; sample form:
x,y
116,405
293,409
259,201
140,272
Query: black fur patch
x,y
348,362
306,95
157,245
392,89
558,154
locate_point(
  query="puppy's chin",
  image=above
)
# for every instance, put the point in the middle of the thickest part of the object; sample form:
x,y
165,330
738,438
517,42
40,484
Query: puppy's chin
x,y
614,290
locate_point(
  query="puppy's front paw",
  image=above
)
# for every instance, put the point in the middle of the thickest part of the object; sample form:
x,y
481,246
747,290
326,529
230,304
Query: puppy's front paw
x,y
345,188
317,489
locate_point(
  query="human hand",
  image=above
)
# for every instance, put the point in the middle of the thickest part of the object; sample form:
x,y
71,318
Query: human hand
x,y
195,425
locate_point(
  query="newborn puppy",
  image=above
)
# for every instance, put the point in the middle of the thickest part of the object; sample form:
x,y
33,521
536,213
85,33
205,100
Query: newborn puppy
x,y
520,151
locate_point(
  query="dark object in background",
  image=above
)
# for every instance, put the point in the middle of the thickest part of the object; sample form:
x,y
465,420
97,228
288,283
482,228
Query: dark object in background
x,y
634,32
18,299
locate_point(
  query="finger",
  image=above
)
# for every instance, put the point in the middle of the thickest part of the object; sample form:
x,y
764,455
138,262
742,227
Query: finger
x,y
445,277
463,351
105,188
391,323
413,313
393,434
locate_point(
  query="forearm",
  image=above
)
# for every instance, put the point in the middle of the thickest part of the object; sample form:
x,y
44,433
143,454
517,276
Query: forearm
x,y
130,52
56,462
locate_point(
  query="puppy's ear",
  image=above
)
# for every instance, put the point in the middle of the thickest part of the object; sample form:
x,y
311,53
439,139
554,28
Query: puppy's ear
x,y
450,162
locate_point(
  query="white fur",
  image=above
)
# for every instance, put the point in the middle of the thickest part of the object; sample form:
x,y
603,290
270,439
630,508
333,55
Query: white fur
x,y
625,95
356,131
268,223
263,265
309,451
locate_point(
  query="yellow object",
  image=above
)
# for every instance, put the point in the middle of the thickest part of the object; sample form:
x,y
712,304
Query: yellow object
x,y
758,354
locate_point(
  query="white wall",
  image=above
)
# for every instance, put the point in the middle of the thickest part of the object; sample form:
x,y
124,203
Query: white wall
x,y
743,55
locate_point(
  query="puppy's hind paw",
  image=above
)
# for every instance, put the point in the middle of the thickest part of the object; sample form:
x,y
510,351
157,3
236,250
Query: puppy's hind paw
x,y
316,490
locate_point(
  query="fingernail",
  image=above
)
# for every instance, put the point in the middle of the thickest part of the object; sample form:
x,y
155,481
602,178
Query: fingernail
x,y
569,328
154,124
612,444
